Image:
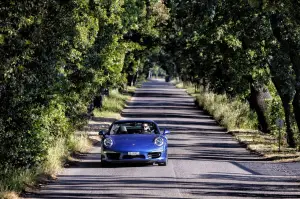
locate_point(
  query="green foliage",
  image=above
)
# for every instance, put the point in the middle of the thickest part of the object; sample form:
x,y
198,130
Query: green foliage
x,y
56,155
55,58
232,46
231,113
275,111
157,71
79,143
115,102
14,179
59,149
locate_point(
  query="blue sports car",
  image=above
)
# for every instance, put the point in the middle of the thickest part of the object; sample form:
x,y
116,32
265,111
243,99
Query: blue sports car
x,y
134,141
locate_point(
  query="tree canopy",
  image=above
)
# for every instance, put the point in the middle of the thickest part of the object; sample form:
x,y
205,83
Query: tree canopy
x,y
241,48
56,56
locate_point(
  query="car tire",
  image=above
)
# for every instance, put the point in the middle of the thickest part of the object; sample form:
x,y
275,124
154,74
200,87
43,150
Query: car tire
x,y
163,163
104,163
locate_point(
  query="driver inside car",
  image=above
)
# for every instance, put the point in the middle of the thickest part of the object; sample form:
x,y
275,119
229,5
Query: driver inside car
x,y
145,128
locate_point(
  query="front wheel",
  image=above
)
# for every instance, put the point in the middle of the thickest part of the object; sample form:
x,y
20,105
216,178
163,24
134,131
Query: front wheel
x,y
163,163
103,163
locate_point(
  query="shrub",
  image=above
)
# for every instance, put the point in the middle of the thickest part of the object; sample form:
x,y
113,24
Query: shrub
x,y
14,179
233,114
115,102
229,112
79,143
56,153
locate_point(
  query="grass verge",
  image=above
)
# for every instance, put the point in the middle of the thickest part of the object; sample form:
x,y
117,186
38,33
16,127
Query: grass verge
x,y
236,116
230,113
14,181
114,104
266,145
62,150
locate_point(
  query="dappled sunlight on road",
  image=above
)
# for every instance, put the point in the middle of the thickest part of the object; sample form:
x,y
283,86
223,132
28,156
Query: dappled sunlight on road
x,y
204,161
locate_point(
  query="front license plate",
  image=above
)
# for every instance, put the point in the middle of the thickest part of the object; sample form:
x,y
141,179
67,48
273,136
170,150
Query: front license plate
x,y
133,153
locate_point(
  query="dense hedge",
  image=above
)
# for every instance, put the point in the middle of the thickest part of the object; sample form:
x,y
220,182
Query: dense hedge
x,y
55,58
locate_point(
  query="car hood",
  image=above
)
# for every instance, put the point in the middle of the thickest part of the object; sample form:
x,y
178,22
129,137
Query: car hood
x,y
134,142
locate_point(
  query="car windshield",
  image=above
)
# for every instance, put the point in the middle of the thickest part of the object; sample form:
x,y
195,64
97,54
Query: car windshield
x,y
134,128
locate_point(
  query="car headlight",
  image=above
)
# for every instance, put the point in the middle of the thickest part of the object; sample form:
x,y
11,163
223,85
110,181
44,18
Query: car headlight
x,y
108,142
159,141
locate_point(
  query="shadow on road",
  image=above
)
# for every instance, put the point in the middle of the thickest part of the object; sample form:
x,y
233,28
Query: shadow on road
x,y
194,136
86,186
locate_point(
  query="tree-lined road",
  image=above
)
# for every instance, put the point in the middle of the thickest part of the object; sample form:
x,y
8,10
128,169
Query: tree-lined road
x,y
204,161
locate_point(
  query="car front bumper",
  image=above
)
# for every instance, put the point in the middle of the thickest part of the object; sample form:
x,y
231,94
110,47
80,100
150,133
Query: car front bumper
x,y
126,156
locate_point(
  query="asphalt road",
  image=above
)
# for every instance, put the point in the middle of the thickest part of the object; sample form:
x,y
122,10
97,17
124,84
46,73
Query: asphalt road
x,y
204,161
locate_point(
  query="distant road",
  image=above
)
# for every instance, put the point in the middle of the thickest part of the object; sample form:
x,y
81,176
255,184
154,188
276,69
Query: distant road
x,y
204,161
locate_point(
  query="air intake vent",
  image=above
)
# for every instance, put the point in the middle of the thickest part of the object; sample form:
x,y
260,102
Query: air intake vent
x,y
113,156
154,155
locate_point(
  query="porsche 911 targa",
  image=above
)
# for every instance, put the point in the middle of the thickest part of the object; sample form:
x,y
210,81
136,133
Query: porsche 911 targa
x,y
138,141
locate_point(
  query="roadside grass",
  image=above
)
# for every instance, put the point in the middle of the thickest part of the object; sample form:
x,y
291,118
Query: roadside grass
x,y
114,104
62,150
56,156
130,89
13,182
230,113
9,195
104,114
239,121
79,143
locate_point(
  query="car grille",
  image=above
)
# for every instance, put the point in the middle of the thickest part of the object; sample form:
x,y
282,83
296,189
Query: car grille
x,y
154,155
113,156
128,157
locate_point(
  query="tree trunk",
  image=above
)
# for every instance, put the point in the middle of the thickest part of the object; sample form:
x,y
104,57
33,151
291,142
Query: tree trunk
x,y
257,103
204,84
291,48
296,106
98,101
289,132
286,98
135,78
295,58
130,80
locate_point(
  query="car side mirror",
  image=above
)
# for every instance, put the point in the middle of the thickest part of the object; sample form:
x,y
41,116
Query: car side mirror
x,y
102,133
166,132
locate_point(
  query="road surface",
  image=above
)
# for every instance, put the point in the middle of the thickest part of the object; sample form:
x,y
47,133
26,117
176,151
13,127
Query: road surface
x,y
204,161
